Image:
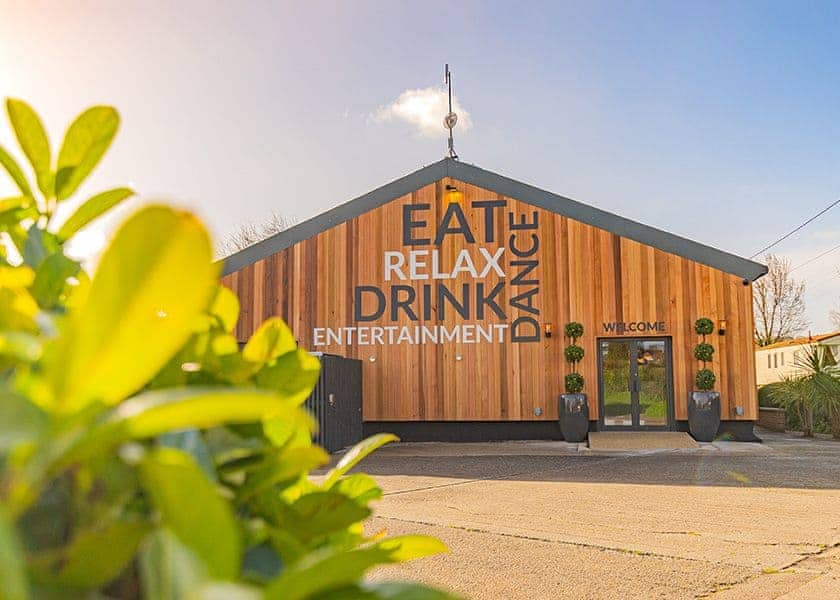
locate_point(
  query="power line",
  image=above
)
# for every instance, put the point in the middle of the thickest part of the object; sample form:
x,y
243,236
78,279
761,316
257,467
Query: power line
x,y
818,256
790,233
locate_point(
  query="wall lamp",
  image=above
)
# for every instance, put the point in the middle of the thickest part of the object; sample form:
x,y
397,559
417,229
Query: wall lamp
x,y
547,329
453,194
722,327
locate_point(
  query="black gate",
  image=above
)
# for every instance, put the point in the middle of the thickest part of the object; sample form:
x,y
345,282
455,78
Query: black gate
x,y
336,402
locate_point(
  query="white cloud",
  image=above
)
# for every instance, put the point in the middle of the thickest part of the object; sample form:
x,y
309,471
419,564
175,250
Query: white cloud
x,y
424,109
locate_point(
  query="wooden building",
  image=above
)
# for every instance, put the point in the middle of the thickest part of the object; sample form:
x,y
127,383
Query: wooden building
x,y
453,285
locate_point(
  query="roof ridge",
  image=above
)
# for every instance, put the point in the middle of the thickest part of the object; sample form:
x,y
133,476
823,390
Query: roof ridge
x,y
504,186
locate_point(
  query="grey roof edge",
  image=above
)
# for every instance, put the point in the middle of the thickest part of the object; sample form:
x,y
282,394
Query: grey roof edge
x,y
504,186
335,216
645,234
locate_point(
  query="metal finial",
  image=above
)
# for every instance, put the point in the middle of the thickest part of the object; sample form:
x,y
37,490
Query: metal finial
x,y
451,118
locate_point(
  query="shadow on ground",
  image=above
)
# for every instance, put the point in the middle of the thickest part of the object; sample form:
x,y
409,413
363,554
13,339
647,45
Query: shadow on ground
x,y
782,461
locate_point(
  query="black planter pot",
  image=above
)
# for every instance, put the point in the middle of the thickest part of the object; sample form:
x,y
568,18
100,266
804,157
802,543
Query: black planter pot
x,y
703,415
574,416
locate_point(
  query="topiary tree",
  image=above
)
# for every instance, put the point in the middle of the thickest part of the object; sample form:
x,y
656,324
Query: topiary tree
x,y
140,448
705,379
574,354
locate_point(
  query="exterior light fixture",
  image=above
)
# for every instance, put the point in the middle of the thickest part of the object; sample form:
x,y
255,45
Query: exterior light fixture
x,y
722,327
458,357
372,358
547,329
453,194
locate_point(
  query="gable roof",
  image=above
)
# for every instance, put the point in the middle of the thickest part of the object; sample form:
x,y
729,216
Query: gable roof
x,y
820,339
466,173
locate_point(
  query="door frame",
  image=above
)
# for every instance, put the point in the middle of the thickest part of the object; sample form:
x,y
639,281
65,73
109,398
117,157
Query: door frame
x,y
669,383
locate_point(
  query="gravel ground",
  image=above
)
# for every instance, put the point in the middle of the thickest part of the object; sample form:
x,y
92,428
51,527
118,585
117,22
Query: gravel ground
x,y
555,520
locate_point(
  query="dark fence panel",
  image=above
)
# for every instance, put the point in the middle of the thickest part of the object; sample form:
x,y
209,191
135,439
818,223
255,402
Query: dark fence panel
x,y
336,402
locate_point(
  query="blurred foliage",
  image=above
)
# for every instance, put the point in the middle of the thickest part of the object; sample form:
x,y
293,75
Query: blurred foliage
x,y
142,453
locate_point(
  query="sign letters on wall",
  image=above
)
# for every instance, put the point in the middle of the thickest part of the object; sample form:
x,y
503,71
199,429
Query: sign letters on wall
x,y
489,287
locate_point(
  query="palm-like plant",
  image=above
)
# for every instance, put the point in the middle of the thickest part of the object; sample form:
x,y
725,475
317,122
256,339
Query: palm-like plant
x,y
815,388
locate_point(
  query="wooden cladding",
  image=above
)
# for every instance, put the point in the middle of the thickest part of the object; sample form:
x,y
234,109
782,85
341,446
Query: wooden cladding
x,y
614,286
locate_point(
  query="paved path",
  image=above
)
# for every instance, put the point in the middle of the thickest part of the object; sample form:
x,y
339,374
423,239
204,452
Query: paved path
x,y
555,520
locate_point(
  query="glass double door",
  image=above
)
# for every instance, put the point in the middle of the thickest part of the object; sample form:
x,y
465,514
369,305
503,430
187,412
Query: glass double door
x,y
635,383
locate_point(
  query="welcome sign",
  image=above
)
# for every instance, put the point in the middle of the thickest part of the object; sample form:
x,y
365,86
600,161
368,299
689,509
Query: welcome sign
x,y
490,287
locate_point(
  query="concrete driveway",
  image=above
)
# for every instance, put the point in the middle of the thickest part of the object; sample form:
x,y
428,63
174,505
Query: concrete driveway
x,y
554,520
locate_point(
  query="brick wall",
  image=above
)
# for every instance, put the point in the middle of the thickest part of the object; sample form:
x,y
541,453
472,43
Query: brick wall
x,y
771,418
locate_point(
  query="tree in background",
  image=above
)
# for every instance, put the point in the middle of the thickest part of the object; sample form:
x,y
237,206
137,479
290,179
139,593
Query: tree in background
x,y
251,233
779,303
834,314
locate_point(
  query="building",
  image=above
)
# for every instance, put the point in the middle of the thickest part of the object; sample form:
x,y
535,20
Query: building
x,y
453,284
777,361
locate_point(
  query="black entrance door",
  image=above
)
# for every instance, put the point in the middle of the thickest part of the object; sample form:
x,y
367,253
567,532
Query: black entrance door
x,y
634,383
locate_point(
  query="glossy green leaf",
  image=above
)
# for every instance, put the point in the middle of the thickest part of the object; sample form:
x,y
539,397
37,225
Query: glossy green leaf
x,y
294,374
13,584
338,570
86,140
272,339
168,569
153,282
19,309
282,432
261,563
15,172
96,557
15,202
191,442
324,512
356,454
20,420
33,141
92,208
153,413
51,279
20,346
225,308
38,246
283,465
224,590
192,508
360,487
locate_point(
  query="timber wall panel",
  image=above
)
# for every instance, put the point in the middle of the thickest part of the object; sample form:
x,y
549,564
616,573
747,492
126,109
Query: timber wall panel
x,y
585,273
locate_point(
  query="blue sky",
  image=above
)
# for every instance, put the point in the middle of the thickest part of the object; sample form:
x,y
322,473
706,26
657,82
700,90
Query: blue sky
x,y
717,121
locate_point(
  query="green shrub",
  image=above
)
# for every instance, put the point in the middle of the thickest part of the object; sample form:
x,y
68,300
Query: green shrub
x,y
704,352
705,380
574,383
770,395
574,330
573,353
139,446
704,326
